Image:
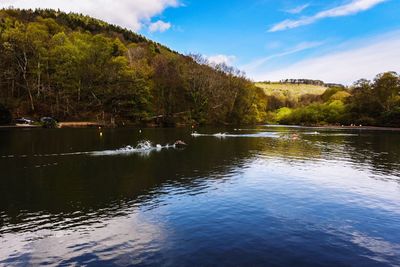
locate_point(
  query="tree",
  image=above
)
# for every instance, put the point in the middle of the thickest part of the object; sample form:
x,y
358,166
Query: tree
x,y
387,90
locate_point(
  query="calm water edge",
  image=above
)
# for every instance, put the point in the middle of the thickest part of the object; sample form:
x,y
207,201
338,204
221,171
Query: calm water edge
x,y
268,196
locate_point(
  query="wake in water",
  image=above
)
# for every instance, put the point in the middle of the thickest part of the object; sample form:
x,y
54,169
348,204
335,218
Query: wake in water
x,y
143,147
226,135
286,135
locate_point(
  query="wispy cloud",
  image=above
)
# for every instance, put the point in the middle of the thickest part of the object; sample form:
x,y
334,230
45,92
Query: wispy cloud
x,y
381,54
132,14
297,9
221,59
256,64
159,26
351,8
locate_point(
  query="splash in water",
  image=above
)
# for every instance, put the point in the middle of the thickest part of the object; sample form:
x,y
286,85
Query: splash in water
x,y
144,147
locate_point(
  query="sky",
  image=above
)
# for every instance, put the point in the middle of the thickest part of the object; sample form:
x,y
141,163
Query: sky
x,y
337,41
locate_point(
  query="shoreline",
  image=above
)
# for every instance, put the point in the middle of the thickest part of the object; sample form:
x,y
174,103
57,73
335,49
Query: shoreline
x,y
87,124
64,124
19,126
368,128
80,124
336,127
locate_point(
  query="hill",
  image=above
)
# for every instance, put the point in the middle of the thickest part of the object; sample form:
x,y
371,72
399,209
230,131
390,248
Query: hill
x,y
75,67
291,90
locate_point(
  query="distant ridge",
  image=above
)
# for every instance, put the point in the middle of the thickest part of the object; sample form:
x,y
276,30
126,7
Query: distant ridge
x,y
306,81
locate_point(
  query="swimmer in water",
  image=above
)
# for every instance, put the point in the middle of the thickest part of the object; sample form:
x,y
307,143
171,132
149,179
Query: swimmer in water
x,y
180,143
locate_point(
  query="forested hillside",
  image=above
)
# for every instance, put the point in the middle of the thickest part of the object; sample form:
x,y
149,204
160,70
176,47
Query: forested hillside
x,y
74,67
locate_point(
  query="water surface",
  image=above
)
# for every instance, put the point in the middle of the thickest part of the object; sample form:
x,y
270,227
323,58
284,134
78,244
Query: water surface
x,y
268,196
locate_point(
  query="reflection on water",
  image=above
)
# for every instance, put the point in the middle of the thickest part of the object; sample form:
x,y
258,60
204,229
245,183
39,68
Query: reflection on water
x,y
277,196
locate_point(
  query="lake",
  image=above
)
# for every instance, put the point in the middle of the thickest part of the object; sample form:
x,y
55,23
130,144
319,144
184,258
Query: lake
x,y
263,196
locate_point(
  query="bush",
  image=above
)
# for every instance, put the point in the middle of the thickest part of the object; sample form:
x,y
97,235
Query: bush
x,y
49,124
283,114
335,111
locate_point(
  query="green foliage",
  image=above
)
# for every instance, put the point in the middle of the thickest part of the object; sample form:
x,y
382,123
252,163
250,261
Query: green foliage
x,y
310,115
71,66
341,95
75,67
250,107
335,93
366,103
376,102
314,114
282,114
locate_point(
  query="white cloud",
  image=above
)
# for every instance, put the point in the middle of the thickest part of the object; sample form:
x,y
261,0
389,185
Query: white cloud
x,y
355,6
43,244
221,59
159,26
256,64
298,9
364,61
131,14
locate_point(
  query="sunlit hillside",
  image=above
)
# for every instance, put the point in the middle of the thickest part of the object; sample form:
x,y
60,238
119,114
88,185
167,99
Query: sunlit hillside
x,y
291,90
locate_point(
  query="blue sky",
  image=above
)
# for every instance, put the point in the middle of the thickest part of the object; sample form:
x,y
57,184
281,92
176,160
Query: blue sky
x,y
336,41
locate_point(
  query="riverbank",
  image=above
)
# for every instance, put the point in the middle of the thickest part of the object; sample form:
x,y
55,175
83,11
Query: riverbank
x,y
77,124
80,124
336,127
88,124
20,126
369,128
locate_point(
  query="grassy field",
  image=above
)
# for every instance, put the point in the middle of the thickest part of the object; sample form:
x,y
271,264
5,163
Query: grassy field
x,y
291,90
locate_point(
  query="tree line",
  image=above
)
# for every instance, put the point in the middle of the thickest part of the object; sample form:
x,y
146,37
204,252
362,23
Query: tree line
x,y
74,67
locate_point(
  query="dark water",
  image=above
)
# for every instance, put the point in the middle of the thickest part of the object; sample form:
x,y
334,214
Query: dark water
x,y
256,197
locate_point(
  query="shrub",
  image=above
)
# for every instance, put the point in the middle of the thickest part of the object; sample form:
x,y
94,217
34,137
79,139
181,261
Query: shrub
x,y
283,113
